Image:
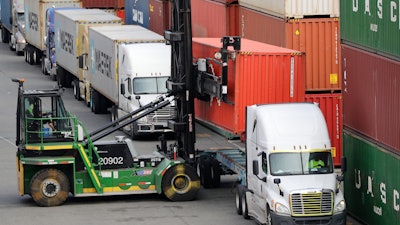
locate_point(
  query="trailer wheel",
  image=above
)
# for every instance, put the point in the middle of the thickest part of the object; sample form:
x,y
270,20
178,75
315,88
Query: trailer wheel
x,y
180,183
49,187
245,211
205,172
77,93
31,56
238,199
44,70
215,173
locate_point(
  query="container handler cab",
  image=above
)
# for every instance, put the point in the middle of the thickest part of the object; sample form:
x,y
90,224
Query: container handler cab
x,y
61,158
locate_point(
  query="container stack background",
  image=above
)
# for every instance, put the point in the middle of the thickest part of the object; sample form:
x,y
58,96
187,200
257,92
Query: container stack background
x,y
310,27
115,7
370,36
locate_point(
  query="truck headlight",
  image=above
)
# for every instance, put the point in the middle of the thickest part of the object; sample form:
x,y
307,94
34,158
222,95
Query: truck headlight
x,y
280,208
340,206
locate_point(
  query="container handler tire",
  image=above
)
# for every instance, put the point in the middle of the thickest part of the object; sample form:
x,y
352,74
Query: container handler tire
x,y
180,183
49,187
238,199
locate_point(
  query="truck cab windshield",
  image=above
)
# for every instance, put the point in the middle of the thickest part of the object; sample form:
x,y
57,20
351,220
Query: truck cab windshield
x,y
300,163
149,85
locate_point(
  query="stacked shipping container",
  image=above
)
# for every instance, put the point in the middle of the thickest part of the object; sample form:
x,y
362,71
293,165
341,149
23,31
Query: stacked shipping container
x,y
115,7
151,14
311,27
260,73
371,102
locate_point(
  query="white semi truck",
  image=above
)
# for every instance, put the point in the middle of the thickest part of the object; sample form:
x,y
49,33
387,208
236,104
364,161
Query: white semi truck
x,y
128,68
35,26
13,24
72,41
286,175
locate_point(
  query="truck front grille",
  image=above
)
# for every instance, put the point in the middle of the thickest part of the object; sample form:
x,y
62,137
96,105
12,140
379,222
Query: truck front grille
x,y
162,115
312,203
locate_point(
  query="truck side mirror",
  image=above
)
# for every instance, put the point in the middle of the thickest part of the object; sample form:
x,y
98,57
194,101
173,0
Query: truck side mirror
x,y
122,87
255,167
81,62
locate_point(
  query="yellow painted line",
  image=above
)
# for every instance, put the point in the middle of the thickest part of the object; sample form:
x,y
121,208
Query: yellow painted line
x,y
48,147
118,189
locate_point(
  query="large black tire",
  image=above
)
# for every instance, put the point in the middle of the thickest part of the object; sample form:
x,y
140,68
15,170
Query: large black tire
x,y
44,70
77,92
180,183
245,210
61,77
205,172
215,173
31,59
95,104
238,199
268,216
49,187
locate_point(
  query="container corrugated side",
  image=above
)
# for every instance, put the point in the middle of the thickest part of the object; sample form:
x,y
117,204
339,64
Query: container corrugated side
x,y
261,73
137,12
214,19
71,28
5,6
294,8
371,96
372,184
115,4
35,18
373,25
103,45
319,38
159,15
332,107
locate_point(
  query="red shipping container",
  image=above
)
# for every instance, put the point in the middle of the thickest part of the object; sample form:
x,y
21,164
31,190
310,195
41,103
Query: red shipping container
x,y
104,4
332,107
319,38
159,16
371,96
120,13
214,18
261,73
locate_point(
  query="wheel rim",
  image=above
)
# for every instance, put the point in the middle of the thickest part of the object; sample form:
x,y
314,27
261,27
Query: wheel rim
x,y
237,200
181,183
50,188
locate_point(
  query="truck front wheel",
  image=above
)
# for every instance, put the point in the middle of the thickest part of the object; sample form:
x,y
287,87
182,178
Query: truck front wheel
x,y
49,187
238,198
268,220
180,183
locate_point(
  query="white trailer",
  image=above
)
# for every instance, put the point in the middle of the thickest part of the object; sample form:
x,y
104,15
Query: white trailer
x,y
72,41
128,68
35,26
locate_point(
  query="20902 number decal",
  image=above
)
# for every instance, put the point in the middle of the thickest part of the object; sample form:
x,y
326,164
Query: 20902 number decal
x,y
112,161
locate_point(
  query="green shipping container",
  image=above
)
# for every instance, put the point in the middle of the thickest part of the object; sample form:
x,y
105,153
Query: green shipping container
x,y
373,24
372,184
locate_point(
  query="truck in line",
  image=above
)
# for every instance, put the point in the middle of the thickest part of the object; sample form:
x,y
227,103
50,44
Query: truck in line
x,y
70,34
36,27
128,67
286,174
13,24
